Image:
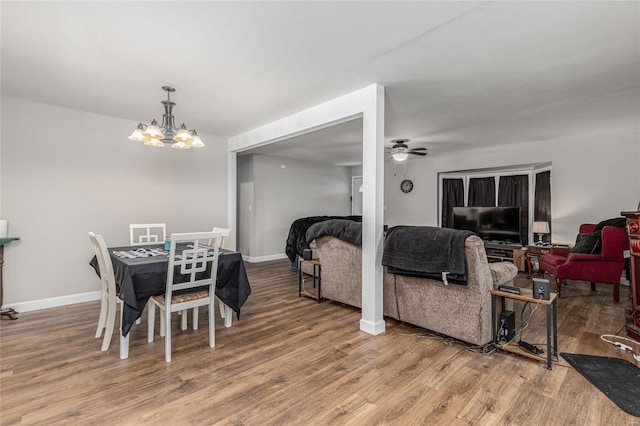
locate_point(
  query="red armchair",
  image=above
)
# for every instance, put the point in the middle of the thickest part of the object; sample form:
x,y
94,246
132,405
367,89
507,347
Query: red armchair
x,y
605,267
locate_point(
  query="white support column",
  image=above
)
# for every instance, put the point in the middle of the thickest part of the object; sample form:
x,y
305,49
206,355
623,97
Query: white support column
x,y
372,320
367,103
232,199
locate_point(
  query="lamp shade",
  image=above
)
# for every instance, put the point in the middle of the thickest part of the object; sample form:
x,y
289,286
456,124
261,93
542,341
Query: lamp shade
x,y
196,142
183,135
540,227
400,156
154,142
138,135
181,145
153,131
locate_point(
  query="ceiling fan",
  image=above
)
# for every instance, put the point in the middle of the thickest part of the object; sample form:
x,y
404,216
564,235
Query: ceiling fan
x,y
400,150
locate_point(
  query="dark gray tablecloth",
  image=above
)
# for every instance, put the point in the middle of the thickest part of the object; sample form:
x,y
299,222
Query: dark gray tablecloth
x,y
140,278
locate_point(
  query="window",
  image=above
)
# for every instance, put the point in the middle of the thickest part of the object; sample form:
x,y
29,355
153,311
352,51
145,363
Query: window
x,y
527,187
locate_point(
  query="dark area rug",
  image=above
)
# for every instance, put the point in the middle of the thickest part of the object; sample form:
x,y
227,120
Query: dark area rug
x,y
615,377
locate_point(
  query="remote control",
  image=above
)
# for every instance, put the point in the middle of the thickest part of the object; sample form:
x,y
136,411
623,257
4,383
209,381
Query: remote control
x,y
509,289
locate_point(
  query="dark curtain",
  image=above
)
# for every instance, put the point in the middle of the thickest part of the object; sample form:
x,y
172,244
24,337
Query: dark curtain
x,y
542,201
482,192
513,191
452,196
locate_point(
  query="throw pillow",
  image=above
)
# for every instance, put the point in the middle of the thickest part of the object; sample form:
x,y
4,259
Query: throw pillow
x,y
586,243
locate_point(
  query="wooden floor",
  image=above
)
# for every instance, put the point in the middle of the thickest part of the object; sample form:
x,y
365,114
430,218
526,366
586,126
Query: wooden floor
x,y
290,360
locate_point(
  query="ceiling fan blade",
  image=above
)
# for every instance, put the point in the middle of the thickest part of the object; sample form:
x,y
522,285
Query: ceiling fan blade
x,y
422,154
418,149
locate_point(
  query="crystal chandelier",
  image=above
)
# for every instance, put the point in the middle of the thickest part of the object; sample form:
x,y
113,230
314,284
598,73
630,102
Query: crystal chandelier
x,y
158,135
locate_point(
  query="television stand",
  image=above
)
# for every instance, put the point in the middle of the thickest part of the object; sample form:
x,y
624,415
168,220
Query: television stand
x,y
503,252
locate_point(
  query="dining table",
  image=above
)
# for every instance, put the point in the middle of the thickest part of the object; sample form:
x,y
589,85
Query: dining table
x,y
140,272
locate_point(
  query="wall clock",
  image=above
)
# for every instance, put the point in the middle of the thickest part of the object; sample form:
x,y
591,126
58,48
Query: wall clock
x,y
406,186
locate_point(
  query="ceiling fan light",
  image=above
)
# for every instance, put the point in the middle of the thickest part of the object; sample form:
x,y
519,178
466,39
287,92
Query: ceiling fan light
x,y
400,156
196,142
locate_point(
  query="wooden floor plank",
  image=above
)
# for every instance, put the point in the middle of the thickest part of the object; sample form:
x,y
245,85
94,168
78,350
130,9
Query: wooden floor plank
x,y
290,360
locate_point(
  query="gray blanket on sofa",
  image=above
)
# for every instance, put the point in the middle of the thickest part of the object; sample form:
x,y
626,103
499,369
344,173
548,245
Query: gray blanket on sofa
x,y
427,252
346,230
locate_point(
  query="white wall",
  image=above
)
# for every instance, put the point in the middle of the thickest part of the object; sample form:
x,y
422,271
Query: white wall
x,y
594,177
65,173
284,194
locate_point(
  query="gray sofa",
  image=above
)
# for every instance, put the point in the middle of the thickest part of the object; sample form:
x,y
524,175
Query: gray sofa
x,y
459,311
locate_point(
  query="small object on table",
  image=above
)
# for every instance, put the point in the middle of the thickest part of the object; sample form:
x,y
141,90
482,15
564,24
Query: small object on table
x,y
307,254
509,289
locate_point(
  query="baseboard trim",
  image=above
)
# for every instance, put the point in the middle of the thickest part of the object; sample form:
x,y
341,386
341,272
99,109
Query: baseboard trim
x,y
54,302
371,327
259,259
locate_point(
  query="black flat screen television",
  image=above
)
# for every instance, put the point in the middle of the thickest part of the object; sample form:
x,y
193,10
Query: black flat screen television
x,y
499,224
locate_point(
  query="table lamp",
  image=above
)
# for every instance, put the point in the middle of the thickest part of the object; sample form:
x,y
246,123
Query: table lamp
x,y
540,228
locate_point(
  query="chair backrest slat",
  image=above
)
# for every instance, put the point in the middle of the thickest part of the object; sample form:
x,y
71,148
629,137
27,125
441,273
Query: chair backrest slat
x,y
192,262
147,233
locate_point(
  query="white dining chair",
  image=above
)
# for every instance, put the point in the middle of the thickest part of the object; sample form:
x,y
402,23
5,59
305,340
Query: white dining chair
x,y
109,299
224,232
141,234
200,265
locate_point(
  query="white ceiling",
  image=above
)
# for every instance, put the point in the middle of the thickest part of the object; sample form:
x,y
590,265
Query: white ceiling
x,y
457,74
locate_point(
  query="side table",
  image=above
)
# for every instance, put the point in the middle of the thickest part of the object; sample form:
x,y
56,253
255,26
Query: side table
x,y
536,252
317,275
551,307
5,312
